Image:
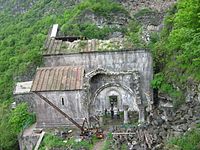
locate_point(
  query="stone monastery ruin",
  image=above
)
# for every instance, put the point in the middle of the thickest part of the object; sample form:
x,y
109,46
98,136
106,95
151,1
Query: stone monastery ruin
x,y
85,78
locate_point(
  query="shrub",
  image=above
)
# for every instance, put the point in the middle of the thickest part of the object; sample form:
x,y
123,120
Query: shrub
x,y
189,141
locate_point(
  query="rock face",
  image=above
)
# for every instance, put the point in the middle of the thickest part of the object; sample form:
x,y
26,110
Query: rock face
x,y
154,134
136,5
113,19
18,7
22,6
150,14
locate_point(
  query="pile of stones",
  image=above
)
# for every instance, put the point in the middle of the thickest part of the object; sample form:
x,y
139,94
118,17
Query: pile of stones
x,y
153,134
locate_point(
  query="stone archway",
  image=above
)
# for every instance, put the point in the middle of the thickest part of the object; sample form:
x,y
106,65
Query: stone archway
x,y
124,96
100,84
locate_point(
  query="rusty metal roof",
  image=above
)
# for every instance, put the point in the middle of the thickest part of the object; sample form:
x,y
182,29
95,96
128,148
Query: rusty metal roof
x,y
61,78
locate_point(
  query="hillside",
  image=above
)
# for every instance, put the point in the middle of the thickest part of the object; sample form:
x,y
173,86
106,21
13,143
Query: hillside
x,y
173,37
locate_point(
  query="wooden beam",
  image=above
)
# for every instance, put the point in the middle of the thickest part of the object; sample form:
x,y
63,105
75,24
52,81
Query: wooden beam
x,y
39,140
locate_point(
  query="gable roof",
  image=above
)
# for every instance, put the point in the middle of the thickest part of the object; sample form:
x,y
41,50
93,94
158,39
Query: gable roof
x,y
61,78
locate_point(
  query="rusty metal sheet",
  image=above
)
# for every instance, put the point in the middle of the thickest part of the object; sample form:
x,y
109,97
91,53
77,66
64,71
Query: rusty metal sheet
x,y
35,83
40,83
78,78
58,78
50,79
73,78
68,79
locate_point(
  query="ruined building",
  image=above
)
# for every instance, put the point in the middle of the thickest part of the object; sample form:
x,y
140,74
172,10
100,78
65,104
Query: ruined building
x,y
85,77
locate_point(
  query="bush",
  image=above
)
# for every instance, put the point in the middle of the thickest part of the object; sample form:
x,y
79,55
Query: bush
x,y
88,29
189,141
52,141
12,122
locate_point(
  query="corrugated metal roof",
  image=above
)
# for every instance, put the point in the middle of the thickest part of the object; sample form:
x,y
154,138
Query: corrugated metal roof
x,y
58,78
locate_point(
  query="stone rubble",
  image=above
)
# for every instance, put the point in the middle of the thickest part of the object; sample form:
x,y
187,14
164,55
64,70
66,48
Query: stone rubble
x,y
154,134
98,45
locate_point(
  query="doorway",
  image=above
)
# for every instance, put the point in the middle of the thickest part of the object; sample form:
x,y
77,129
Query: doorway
x,y
113,101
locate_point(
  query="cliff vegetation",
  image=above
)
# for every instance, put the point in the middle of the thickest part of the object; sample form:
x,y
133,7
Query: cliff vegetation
x,y
25,24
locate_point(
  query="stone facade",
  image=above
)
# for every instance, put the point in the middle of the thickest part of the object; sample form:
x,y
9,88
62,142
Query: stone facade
x,y
68,101
124,74
84,84
135,60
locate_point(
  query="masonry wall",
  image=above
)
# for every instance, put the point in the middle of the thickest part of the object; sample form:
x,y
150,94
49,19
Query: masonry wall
x,y
100,100
139,60
73,106
26,98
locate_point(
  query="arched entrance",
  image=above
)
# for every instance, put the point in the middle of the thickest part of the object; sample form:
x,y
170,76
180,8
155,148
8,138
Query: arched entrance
x,y
104,88
113,94
114,98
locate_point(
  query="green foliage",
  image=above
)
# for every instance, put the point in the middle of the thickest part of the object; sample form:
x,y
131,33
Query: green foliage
x,y
88,30
108,141
124,147
20,118
75,27
106,145
176,52
143,12
134,33
51,141
110,136
189,141
102,8
160,82
12,122
21,40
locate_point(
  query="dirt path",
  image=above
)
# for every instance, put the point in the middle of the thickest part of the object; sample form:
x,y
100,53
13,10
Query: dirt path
x,y
99,145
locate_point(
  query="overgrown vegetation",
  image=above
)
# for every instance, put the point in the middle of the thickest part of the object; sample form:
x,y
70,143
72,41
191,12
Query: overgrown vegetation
x,y
134,34
12,123
51,141
176,50
21,39
107,142
143,12
76,26
189,141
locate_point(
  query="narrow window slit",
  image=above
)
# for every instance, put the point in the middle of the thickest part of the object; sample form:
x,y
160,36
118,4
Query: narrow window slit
x,y
62,100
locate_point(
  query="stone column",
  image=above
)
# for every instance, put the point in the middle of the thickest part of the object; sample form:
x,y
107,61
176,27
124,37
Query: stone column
x,y
141,115
101,119
126,120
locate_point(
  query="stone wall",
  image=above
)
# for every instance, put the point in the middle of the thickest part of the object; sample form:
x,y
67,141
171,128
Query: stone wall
x,y
26,98
72,105
139,60
27,142
121,85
